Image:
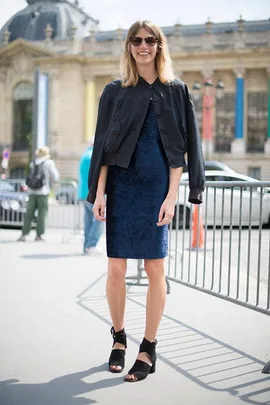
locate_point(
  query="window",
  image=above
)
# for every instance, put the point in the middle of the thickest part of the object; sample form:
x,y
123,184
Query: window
x,y
254,172
22,116
257,122
225,123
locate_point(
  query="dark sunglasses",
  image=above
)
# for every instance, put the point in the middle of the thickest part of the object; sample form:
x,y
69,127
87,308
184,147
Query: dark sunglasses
x,y
137,41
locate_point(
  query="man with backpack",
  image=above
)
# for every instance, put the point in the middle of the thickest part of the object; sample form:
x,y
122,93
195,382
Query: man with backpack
x,y
42,174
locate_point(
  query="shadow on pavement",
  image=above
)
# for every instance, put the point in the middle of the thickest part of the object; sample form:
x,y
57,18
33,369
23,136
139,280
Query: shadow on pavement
x,y
51,256
59,391
206,361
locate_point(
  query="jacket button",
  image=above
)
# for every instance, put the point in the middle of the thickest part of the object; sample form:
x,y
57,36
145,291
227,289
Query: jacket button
x,y
134,129
158,116
155,99
162,131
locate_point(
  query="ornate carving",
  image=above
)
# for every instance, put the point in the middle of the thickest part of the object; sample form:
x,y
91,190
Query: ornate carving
x,y
3,74
22,64
207,73
54,72
239,71
88,74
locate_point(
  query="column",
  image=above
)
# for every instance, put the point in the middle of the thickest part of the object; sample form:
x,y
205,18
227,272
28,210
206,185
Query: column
x,y
207,115
90,108
267,143
54,127
238,144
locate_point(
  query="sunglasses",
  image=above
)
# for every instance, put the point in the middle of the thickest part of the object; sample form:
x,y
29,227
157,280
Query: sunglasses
x,y
137,41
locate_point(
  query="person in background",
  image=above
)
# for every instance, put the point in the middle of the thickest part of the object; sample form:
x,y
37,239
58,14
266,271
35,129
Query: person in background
x,y
92,228
38,196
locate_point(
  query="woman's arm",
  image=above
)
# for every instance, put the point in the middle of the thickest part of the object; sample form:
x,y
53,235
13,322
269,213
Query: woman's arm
x,y
167,209
100,203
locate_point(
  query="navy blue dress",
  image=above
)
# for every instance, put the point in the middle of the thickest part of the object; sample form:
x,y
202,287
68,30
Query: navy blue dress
x,y
134,198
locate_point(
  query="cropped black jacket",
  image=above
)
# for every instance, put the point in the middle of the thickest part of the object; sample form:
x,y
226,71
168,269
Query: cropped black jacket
x,y
121,114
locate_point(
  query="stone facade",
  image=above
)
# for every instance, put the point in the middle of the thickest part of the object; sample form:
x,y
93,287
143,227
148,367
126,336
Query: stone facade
x,y
79,69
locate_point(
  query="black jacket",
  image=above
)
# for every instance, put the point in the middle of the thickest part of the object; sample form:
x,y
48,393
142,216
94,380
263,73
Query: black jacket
x,y
121,114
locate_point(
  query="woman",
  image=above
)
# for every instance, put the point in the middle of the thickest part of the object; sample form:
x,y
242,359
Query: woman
x,y
146,124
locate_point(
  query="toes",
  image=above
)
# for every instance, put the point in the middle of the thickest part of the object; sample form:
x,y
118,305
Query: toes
x,y
131,377
115,368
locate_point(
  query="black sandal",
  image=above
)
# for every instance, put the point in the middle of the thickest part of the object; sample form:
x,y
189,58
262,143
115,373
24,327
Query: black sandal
x,y
140,369
117,357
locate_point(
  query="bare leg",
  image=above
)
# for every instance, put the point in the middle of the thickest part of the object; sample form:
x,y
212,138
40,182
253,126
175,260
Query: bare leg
x,y
116,295
155,303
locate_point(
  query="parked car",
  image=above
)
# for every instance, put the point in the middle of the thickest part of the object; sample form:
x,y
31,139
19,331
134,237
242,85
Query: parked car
x,y
214,202
67,193
214,165
12,204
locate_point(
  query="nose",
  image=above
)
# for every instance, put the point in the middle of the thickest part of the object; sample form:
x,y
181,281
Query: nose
x,y
143,45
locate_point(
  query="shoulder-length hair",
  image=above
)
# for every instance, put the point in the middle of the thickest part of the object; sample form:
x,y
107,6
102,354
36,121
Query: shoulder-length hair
x,y
129,73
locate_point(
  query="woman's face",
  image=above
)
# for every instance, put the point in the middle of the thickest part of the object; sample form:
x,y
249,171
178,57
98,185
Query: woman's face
x,y
145,53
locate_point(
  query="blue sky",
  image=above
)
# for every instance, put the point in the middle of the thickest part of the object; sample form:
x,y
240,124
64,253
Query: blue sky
x,y
115,13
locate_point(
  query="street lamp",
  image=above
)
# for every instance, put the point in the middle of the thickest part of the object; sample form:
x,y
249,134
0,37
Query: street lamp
x,y
208,89
209,94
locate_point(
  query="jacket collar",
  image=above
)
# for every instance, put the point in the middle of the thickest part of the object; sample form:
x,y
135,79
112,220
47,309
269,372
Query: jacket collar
x,y
144,83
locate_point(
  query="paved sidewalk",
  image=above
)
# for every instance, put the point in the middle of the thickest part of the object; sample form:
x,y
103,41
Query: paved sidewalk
x,y
55,339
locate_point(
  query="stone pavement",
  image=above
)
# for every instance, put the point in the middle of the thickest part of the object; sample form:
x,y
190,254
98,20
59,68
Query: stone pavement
x,y
55,339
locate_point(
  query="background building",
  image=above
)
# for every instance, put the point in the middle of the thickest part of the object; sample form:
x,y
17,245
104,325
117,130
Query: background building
x,y
60,39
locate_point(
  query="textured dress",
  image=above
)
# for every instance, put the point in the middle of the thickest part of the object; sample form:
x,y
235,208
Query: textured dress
x,y
134,197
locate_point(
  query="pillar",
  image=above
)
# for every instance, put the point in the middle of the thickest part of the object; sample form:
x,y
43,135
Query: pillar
x,y
267,143
207,116
238,144
90,109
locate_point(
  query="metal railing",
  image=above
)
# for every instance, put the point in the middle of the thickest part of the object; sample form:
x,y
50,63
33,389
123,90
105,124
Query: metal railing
x,y
228,256
228,253
64,210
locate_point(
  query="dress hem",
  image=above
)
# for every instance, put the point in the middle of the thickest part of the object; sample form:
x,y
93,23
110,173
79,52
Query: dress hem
x,y
142,258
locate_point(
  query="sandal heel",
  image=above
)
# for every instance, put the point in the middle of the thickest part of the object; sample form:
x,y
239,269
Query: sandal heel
x,y
140,369
153,368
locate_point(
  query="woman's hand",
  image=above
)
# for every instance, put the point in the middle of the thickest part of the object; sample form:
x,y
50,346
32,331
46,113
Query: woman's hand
x,y
99,208
166,212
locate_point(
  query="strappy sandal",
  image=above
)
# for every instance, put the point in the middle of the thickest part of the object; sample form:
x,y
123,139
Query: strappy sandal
x,y
140,369
117,357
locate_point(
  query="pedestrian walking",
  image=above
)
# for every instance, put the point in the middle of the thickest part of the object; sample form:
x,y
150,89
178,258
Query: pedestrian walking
x,y
146,125
92,228
42,174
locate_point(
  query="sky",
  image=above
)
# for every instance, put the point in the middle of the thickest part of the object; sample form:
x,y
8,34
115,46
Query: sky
x,y
122,13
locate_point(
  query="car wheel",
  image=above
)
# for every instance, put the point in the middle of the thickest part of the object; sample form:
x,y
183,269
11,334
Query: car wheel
x,y
181,217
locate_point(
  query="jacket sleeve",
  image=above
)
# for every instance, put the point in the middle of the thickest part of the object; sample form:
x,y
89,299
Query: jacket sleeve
x,y
103,122
195,154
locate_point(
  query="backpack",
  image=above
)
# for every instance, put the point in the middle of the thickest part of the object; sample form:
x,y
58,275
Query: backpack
x,y
36,176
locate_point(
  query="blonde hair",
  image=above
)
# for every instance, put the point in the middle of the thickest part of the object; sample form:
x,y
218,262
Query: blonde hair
x,y
129,73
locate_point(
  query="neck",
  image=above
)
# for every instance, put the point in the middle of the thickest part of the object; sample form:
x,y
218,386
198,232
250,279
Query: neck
x,y
147,73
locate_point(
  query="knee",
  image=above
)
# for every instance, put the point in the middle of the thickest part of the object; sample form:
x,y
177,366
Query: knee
x,y
154,269
116,272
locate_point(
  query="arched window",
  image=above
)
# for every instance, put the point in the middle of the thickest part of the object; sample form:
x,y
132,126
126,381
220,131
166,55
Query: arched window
x,y
23,95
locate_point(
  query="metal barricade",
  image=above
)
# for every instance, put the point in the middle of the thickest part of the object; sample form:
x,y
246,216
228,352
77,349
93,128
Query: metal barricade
x,y
13,202
223,246
64,210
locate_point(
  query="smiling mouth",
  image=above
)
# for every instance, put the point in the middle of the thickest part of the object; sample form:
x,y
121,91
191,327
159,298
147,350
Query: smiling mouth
x,y
143,53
